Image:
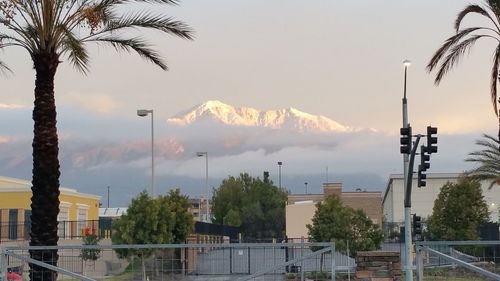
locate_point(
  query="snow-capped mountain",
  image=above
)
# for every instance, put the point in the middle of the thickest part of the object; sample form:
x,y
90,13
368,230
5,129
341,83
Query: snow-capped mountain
x,y
289,118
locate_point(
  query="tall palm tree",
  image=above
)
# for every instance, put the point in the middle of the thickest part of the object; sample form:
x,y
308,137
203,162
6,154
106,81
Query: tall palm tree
x,y
488,160
50,30
456,46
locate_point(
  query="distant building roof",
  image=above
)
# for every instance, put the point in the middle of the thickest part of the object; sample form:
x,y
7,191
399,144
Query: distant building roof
x,y
112,212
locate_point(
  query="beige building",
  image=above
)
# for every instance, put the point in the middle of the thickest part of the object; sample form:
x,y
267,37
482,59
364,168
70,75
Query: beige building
x,y
300,208
198,208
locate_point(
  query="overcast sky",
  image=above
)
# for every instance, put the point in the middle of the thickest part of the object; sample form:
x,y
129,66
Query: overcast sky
x,y
340,59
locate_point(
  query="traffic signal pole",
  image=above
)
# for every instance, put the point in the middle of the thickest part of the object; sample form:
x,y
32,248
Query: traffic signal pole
x,y
410,175
408,259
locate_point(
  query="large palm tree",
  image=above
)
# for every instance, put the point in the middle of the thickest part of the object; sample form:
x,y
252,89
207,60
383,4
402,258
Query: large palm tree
x,y
455,47
51,30
488,160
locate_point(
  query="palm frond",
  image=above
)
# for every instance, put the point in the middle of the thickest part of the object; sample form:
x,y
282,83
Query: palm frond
x,y
169,2
4,68
488,159
472,8
146,20
77,54
454,55
451,41
494,79
136,44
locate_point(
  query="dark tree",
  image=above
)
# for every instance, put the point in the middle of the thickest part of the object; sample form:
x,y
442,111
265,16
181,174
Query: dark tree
x,y
458,212
257,206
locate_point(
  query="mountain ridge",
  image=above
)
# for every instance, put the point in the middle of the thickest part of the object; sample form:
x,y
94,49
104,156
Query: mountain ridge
x,y
288,118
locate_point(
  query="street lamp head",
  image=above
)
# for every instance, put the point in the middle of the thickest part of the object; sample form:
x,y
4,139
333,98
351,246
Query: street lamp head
x,y
406,63
280,163
143,112
200,154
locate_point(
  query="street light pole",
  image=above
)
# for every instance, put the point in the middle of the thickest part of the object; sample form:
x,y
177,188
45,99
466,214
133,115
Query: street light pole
x,y
108,196
200,154
407,205
306,186
279,173
144,113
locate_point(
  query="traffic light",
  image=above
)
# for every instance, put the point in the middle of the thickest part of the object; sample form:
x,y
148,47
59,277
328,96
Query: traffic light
x,y
421,177
424,159
431,140
405,140
417,227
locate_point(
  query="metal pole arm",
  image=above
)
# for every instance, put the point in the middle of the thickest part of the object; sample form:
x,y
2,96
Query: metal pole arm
x,y
409,178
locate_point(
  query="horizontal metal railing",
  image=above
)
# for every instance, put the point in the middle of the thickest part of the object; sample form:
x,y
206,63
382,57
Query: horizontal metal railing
x,y
245,261
16,231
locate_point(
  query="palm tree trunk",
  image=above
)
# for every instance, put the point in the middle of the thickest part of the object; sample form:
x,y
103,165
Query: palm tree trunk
x,y
45,182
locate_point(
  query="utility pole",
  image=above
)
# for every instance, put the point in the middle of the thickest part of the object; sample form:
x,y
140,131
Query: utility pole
x,y
407,205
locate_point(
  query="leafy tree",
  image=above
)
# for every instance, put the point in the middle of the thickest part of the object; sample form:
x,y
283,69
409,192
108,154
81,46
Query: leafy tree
x,y
232,218
160,220
488,160
456,46
183,221
51,30
333,221
90,254
257,206
146,222
458,212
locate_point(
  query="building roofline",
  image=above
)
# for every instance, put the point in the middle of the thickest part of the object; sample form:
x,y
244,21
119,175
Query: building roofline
x,y
26,186
361,192
429,176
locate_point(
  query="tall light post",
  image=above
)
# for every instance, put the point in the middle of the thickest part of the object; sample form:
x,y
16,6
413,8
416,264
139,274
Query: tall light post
x,y
279,173
407,203
306,186
201,154
108,196
144,113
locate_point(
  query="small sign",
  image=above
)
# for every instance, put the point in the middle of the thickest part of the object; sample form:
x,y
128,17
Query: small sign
x,y
240,252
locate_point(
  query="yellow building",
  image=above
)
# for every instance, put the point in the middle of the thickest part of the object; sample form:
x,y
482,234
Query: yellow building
x,y
78,212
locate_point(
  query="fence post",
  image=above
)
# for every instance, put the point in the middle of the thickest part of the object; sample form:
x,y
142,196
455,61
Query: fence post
x,y
302,262
248,257
420,263
332,252
3,264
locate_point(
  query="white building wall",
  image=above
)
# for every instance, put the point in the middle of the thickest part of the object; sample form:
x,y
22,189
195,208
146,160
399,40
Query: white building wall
x,y
423,198
388,208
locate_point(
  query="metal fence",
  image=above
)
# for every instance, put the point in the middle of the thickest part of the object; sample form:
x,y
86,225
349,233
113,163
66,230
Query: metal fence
x,y
471,260
245,261
14,231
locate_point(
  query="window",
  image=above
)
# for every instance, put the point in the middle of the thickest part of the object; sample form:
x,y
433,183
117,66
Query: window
x,y
81,217
13,224
64,226
27,224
